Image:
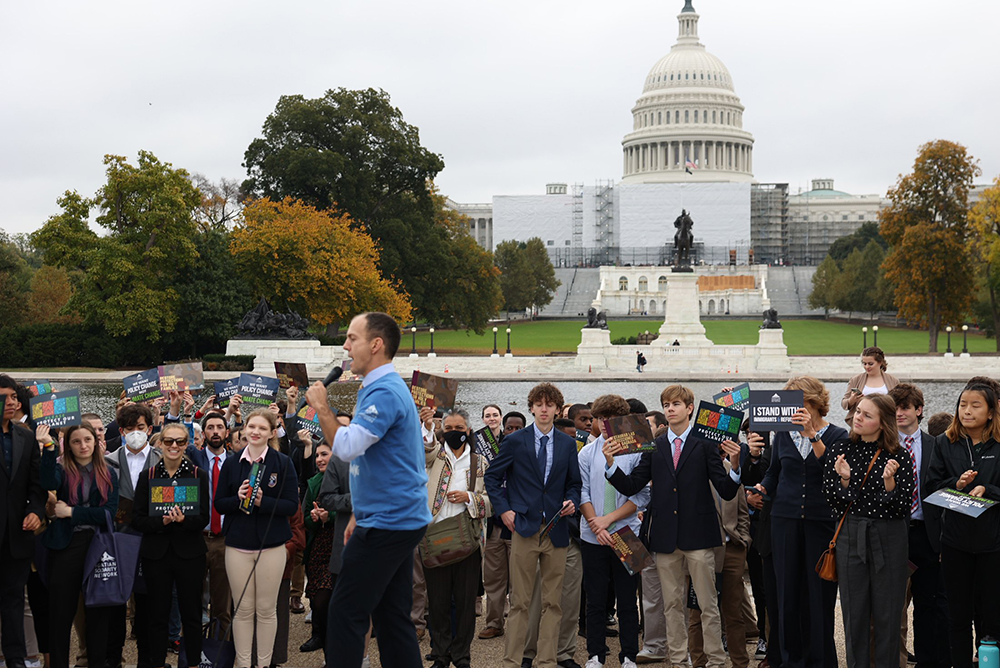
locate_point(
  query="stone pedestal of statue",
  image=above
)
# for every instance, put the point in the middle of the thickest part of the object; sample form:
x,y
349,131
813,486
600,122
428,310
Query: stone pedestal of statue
x,y
595,348
682,321
772,353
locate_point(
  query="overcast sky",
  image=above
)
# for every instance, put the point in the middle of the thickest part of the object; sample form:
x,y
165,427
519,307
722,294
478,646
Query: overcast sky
x,y
512,94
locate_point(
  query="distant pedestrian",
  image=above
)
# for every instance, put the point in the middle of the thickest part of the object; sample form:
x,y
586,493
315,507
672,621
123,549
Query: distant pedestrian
x,y
640,361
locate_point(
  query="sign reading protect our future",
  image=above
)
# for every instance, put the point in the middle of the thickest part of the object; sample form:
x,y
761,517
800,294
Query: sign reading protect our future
x,y
772,410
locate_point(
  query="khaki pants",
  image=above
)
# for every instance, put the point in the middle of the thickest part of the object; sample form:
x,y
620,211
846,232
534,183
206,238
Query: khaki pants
x,y
298,577
654,630
221,600
496,574
530,557
700,564
732,612
260,600
418,613
570,601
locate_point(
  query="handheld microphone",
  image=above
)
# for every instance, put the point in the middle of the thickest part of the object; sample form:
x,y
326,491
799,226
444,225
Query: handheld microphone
x,y
335,373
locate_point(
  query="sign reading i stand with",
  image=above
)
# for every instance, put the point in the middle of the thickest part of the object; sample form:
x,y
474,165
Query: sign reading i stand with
x,y
772,410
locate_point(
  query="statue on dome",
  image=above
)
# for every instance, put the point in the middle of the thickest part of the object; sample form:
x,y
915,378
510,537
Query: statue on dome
x,y
683,242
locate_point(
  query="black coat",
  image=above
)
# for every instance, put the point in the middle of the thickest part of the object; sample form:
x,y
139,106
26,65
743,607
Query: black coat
x,y
950,460
932,514
682,512
267,525
185,539
795,485
21,491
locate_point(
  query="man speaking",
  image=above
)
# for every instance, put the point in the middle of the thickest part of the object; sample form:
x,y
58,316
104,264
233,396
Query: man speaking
x,y
384,447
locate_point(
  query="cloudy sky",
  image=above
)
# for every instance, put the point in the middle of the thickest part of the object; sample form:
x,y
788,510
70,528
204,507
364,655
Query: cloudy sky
x,y
512,94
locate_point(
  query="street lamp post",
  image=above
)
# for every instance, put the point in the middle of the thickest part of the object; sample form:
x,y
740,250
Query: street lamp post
x,y
864,339
965,340
508,353
432,353
948,352
413,337
495,353
875,335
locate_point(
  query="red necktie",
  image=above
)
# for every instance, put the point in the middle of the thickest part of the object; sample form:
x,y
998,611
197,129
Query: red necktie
x,y
216,517
678,443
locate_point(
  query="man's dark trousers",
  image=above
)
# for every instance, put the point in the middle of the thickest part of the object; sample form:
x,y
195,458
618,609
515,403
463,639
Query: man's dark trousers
x,y
13,578
375,583
930,606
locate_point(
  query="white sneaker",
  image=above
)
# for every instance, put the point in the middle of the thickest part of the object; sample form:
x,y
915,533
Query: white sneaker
x,y
594,662
628,663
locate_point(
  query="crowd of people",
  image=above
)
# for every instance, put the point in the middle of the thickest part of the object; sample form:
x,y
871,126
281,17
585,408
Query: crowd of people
x,y
397,523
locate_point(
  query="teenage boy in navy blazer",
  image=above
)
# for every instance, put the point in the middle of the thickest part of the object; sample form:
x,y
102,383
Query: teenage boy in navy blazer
x,y
542,474
683,527
930,605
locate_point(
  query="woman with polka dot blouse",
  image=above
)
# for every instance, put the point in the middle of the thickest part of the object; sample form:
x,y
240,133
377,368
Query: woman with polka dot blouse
x,y
873,543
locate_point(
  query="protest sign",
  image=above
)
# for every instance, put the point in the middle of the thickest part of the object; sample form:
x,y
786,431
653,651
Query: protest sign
x,y
738,399
165,493
39,387
960,502
309,419
582,437
143,386
61,409
433,391
717,423
487,445
631,432
630,550
181,377
772,410
226,390
291,373
257,390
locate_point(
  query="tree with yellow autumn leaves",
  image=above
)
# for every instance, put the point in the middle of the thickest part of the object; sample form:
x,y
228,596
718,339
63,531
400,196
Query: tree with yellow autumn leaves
x,y
312,261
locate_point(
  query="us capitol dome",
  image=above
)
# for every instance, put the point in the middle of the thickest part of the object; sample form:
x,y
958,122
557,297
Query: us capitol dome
x,y
687,126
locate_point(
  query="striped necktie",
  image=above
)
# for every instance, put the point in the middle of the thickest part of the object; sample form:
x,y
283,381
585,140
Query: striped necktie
x,y
915,504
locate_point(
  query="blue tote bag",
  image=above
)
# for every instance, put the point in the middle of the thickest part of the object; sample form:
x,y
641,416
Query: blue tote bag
x,y
110,567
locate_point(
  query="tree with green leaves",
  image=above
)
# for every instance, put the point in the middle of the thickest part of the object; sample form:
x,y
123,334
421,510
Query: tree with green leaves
x,y
351,151
985,221
857,240
861,286
127,277
926,224
825,281
527,277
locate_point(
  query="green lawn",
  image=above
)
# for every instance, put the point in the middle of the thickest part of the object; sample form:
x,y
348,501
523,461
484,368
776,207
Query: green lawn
x,y
803,337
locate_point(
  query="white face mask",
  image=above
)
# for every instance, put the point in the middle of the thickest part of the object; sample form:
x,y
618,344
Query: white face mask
x,y
136,440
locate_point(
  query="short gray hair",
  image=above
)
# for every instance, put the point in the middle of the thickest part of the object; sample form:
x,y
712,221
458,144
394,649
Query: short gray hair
x,y
457,412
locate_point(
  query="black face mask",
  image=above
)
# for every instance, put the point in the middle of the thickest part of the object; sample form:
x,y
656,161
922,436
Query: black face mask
x,y
455,439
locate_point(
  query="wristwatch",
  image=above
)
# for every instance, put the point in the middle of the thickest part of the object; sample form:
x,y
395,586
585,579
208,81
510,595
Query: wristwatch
x,y
814,439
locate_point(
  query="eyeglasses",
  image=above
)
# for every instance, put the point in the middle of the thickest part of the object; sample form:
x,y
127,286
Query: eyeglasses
x,y
173,441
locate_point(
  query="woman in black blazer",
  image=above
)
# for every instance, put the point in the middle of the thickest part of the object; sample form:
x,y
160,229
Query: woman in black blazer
x,y
173,547
87,491
802,525
255,539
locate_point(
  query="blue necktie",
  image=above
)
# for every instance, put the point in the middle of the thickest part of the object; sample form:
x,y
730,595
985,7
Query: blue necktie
x,y
543,441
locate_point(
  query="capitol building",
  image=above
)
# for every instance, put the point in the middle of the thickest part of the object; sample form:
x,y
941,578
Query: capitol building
x,y
688,150
756,244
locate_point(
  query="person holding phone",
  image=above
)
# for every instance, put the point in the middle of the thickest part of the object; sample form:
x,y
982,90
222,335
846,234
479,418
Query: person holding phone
x,y
869,478
873,380
967,458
